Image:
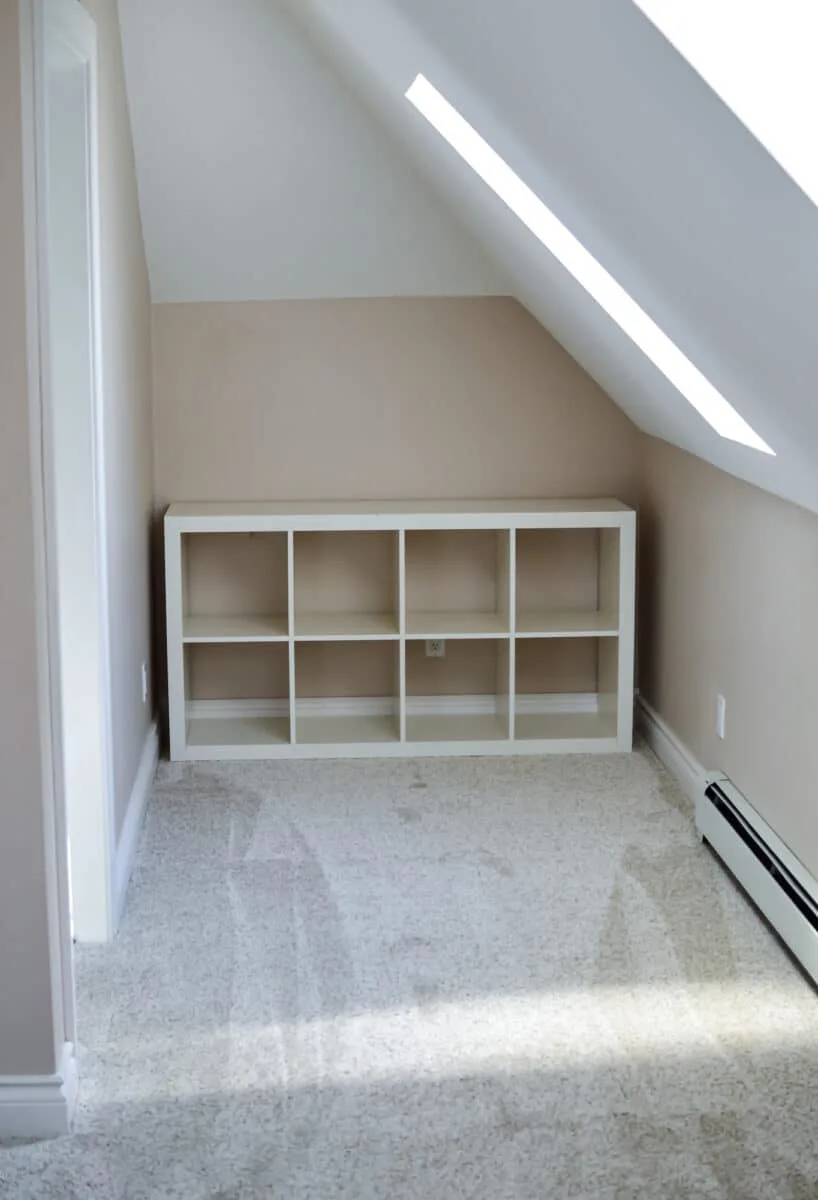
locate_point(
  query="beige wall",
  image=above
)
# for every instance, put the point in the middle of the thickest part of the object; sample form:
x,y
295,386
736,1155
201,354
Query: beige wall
x,y
729,597
27,1019
368,399
377,398
126,315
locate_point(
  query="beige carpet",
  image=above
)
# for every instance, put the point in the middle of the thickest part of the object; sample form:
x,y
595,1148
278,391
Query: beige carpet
x,y
456,978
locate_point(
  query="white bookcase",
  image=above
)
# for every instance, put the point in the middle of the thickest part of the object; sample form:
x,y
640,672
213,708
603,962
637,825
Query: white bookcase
x,y
302,631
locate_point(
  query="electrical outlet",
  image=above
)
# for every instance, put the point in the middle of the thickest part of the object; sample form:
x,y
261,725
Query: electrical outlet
x,y
435,648
721,715
144,683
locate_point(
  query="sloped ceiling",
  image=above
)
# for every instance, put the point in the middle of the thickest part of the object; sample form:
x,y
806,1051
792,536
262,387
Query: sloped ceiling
x,y
261,174
616,133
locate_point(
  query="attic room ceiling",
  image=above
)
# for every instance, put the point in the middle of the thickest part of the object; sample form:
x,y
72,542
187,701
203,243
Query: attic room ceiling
x,y
588,103
262,176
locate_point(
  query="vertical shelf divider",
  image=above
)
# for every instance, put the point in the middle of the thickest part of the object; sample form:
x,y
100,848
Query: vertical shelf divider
x,y
291,628
402,633
504,577
174,619
511,597
627,625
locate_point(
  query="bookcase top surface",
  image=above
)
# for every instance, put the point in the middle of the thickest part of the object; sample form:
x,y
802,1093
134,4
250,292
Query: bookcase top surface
x,y
393,508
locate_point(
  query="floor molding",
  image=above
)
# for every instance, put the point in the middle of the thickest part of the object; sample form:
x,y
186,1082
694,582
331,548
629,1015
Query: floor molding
x,y
39,1106
132,825
670,750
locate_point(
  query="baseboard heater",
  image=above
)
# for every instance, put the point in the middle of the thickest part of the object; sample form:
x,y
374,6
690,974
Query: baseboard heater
x,y
777,883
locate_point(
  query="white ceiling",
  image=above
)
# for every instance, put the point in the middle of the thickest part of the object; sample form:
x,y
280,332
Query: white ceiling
x,y
262,176
593,109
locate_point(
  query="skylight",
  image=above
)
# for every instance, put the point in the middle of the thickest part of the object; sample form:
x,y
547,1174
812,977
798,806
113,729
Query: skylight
x,y
580,263
760,59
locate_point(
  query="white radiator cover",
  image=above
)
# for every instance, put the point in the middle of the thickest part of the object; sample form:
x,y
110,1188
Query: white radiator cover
x,y
774,879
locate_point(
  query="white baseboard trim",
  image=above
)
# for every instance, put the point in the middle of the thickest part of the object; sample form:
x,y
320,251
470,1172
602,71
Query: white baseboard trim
x,y
671,752
33,1106
385,706
135,815
759,825
754,879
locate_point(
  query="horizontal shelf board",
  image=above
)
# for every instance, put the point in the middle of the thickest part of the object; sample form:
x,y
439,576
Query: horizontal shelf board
x,y
235,629
476,727
238,731
329,730
456,625
402,750
435,725
564,725
340,627
558,623
396,514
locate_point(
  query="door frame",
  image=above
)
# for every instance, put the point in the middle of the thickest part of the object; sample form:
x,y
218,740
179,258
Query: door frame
x,y
76,27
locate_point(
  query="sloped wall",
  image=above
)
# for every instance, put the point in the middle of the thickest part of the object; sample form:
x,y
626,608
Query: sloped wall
x,y
263,176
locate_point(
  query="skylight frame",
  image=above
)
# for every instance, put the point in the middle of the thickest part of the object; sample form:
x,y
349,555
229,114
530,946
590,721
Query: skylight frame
x,y
643,331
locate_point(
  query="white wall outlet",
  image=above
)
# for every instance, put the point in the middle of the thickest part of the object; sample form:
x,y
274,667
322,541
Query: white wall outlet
x,y
144,683
721,715
435,648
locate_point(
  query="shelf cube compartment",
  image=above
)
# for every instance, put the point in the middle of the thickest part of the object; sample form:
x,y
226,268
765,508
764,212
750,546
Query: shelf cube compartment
x,y
234,587
457,583
237,695
463,696
567,583
347,691
566,688
346,585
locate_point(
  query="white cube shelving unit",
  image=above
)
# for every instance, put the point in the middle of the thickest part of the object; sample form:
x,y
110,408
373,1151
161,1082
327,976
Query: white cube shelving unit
x,y
301,630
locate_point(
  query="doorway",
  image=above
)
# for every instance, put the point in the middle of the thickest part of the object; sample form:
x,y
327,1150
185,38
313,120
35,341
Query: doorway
x,y
70,364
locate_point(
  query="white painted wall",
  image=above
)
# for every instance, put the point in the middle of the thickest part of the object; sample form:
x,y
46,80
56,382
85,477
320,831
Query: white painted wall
x,y
262,177
126,358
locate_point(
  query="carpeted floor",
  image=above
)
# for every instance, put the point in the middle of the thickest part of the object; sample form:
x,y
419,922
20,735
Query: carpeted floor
x,y
448,979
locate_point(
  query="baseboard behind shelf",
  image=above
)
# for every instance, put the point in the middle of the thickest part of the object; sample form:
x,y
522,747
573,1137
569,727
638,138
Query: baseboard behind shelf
x,y
132,825
39,1106
384,706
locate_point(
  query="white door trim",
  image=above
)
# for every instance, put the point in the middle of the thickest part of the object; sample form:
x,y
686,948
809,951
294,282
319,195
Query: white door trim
x,y
39,1105
43,1104
70,22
